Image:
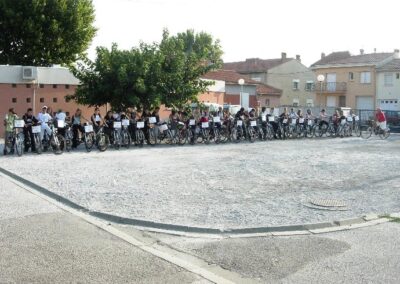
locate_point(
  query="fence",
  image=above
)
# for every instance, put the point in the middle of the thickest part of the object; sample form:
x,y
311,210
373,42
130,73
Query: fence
x,y
392,118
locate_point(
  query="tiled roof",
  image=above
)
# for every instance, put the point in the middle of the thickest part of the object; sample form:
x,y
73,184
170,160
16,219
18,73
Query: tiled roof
x,y
255,65
393,65
263,89
344,58
232,77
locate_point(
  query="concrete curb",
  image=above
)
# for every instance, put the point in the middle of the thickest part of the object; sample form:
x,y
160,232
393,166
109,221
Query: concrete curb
x,y
290,230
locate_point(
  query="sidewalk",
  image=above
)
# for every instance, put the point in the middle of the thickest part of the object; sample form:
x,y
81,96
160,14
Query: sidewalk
x,y
40,243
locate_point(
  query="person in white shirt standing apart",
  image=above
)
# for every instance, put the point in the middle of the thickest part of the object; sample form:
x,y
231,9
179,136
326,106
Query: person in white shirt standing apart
x,y
60,121
44,119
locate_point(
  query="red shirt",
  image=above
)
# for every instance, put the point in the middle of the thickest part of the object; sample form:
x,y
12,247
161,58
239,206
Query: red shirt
x,y
380,117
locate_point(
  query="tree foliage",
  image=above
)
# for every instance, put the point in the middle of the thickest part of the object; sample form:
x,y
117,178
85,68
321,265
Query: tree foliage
x,y
45,32
149,75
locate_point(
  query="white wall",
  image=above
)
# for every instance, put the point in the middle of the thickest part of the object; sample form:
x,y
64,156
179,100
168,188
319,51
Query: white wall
x,y
388,93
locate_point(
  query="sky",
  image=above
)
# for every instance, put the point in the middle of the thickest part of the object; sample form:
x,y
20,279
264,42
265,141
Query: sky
x,y
255,28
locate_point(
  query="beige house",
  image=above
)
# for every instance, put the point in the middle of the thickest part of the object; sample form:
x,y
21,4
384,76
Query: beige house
x,y
287,74
349,80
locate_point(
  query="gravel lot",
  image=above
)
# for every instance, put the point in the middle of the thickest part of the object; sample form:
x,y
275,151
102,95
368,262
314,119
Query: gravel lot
x,y
226,186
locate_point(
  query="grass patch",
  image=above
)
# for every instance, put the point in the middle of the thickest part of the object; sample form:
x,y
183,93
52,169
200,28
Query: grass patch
x,y
391,219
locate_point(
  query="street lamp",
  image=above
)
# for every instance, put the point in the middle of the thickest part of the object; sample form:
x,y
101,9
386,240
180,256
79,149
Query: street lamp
x,y
321,79
241,83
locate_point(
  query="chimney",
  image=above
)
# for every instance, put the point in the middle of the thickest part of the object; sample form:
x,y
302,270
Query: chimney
x,y
298,58
283,55
362,51
396,53
374,50
322,55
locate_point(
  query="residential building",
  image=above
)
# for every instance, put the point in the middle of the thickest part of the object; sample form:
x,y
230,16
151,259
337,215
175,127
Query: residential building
x,y
349,80
287,74
388,86
252,93
214,94
23,87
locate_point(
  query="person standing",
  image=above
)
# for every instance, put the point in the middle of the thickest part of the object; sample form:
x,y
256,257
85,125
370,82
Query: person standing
x,y
9,124
29,120
60,121
76,127
380,119
44,118
96,119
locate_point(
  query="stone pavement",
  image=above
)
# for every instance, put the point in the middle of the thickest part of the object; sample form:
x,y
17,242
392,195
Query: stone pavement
x,y
40,243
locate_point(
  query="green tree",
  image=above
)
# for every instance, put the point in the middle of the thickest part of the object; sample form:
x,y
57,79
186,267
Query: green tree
x,y
149,75
122,78
186,57
45,32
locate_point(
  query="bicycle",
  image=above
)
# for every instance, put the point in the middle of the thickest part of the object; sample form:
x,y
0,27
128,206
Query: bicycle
x,y
373,128
15,142
116,134
126,139
88,137
102,139
53,140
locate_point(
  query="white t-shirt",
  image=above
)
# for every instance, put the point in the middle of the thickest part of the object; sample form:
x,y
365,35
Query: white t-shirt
x,y
61,116
44,117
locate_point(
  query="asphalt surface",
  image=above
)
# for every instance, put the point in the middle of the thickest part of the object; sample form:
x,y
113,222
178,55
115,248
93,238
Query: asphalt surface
x,y
41,244
227,186
367,255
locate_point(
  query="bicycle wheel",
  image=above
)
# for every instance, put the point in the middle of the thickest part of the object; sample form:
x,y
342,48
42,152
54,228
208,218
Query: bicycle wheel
x,y
217,136
19,144
252,134
357,130
366,131
126,139
139,138
38,143
235,135
56,144
102,142
384,134
182,136
116,142
89,141
152,137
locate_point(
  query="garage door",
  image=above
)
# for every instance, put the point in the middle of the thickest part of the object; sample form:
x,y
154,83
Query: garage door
x,y
389,104
364,102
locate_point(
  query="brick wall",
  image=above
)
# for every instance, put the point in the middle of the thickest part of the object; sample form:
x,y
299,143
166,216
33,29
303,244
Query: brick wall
x,y
20,97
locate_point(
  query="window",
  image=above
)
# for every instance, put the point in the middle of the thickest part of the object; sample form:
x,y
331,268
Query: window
x,y
41,86
310,86
28,100
14,85
296,83
54,100
28,86
41,100
388,79
267,102
258,79
67,86
342,101
351,76
55,86
397,75
365,78
14,100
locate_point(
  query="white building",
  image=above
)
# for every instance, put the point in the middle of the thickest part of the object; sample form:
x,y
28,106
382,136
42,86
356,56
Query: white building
x,y
388,86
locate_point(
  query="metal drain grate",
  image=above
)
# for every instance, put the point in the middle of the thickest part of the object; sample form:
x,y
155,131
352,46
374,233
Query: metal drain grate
x,y
328,203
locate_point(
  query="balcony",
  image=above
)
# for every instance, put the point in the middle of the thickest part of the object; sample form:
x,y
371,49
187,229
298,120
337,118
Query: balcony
x,y
331,87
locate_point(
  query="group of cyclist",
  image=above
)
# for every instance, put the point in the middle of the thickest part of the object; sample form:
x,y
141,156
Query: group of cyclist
x,y
45,118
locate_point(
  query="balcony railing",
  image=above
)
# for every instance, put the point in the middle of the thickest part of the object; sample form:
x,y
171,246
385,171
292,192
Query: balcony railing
x,y
331,87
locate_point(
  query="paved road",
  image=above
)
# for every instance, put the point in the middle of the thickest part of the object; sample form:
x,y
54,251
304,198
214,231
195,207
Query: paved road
x,y
230,185
40,243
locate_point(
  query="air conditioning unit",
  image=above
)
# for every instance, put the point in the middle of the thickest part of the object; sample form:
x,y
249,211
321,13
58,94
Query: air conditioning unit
x,y
29,73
